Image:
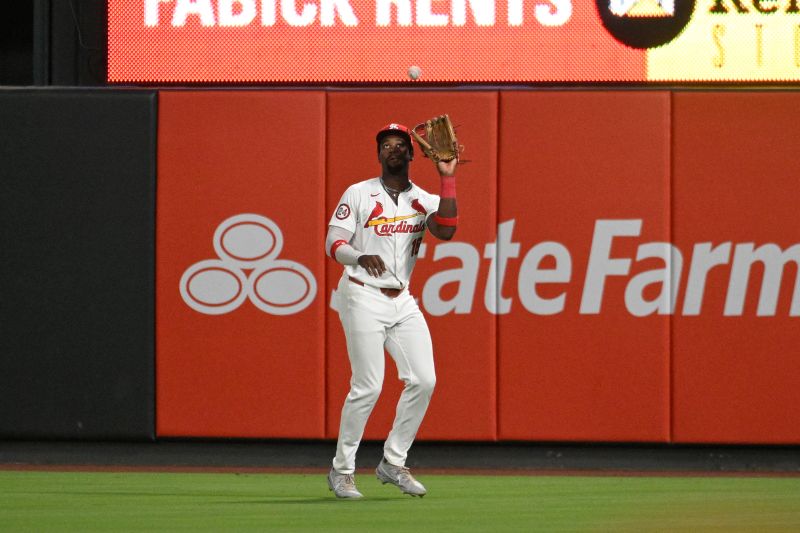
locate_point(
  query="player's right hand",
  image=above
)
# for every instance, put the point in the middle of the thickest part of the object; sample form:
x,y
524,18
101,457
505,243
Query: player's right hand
x,y
373,264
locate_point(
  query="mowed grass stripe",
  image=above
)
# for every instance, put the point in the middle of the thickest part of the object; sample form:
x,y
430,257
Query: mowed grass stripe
x,y
127,501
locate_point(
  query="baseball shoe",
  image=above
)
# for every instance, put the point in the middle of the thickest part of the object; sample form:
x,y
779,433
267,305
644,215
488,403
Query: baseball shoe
x,y
401,477
343,485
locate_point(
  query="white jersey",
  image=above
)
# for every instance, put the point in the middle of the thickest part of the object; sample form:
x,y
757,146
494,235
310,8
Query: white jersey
x,y
379,227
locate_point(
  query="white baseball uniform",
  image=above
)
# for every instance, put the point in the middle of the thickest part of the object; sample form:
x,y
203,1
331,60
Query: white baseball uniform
x,y
374,321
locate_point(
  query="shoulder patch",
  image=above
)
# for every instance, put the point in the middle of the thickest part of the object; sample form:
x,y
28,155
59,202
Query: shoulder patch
x,y
343,211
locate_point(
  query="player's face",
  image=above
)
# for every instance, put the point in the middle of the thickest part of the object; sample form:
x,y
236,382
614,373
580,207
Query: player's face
x,y
394,151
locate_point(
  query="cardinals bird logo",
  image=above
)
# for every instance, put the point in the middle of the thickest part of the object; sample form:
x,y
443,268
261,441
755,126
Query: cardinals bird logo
x,y
376,212
418,206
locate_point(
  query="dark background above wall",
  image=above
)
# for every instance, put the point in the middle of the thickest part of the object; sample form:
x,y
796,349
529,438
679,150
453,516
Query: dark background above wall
x,y
49,42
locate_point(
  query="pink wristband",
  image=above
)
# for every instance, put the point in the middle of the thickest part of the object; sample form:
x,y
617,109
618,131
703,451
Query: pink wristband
x,y
448,187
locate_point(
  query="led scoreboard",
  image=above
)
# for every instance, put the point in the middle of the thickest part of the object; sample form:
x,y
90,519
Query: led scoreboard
x,y
453,41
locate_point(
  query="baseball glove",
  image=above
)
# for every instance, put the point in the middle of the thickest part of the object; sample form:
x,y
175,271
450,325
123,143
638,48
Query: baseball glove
x,y
437,138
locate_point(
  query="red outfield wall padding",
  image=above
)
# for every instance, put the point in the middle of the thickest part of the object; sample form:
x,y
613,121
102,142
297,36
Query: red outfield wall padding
x,y
463,332
584,188
736,335
618,274
240,323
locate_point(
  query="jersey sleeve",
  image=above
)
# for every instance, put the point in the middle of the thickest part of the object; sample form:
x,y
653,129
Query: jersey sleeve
x,y
346,214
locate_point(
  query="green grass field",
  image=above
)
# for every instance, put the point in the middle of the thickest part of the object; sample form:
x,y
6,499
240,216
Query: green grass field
x,y
125,501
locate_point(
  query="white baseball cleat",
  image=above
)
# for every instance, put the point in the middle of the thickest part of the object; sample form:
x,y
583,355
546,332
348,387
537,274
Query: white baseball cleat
x,y
401,477
343,485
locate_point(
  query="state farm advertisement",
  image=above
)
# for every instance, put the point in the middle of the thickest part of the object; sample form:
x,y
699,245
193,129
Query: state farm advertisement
x,y
455,41
625,269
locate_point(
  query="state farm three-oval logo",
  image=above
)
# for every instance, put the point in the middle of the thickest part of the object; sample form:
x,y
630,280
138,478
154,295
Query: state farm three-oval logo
x,y
645,23
247,267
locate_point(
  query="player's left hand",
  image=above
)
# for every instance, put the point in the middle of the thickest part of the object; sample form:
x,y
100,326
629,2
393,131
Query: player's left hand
x,y
447,168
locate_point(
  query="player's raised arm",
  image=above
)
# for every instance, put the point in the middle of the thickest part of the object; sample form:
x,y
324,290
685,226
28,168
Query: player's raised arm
x,y
442,223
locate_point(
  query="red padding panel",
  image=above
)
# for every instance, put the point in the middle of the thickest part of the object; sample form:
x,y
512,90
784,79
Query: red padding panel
x,y
240,320
463,331
584,188
736,334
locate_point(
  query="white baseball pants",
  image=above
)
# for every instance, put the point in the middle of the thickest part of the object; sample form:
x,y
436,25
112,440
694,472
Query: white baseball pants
x,y
372,321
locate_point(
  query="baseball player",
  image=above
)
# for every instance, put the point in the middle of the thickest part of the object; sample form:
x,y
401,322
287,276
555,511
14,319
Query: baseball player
x,y
376,233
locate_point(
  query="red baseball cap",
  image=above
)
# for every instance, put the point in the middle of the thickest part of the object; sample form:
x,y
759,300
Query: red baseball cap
x,y
395,129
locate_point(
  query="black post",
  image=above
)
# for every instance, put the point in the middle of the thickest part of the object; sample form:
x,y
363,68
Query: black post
x,y
41,42
16,44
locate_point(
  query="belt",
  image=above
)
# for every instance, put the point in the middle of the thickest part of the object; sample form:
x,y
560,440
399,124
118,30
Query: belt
x,y
391,293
